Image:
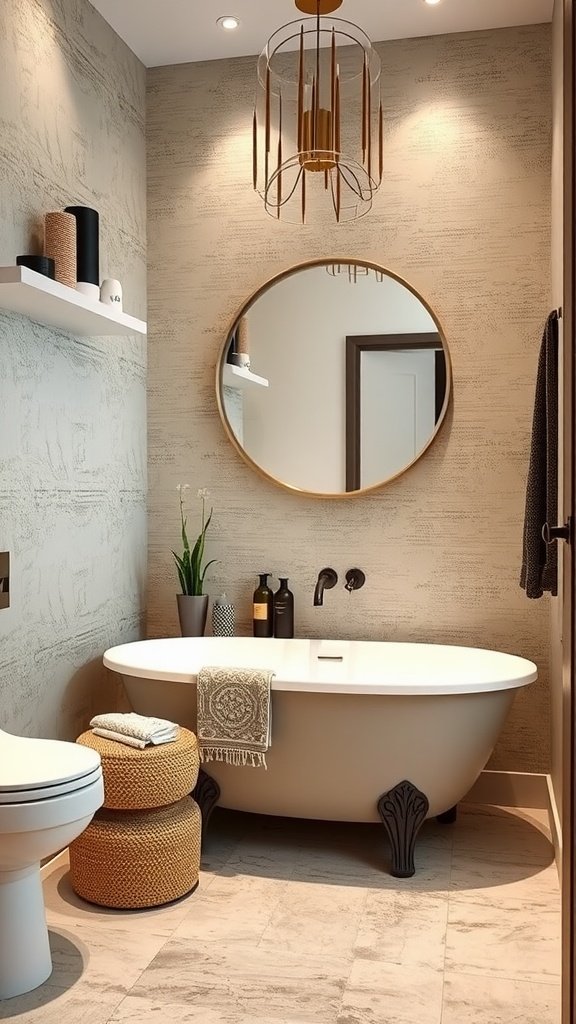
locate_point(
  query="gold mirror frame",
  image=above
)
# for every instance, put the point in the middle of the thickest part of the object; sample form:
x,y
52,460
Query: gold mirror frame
x,y
297,268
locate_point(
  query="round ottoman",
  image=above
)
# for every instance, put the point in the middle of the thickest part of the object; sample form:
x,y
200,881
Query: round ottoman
x,y
136,779
143,848
135,859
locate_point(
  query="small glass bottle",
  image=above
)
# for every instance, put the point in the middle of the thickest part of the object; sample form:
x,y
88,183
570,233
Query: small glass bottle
x,y
262,608
284,611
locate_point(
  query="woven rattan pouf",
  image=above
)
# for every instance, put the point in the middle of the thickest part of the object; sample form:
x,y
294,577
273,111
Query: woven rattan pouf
x,y
153,777
135,859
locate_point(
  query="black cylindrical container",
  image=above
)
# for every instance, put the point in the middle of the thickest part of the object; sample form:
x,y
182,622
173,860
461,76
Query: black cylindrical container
x,y
87,244
41,264
263,608
284,611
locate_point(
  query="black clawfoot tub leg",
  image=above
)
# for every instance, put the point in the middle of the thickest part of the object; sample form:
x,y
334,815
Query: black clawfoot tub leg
x,y
206,794
402,811
449,817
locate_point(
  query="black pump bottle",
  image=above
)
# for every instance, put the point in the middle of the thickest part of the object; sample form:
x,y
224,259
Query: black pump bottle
x,y
284,611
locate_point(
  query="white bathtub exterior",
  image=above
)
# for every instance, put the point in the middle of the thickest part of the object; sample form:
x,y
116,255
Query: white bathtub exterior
x,y
343,732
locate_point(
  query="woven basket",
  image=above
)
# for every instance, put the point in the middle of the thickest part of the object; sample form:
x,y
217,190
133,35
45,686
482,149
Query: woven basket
x,y
130,860
154,777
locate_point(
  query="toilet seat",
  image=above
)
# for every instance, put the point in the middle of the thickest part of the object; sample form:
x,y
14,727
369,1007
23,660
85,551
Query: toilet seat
x,y
37,769
22,796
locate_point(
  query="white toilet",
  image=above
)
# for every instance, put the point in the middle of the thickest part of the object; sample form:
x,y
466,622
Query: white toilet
x,y
49,793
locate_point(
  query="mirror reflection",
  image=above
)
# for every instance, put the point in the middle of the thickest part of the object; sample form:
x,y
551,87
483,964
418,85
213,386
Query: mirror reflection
x,y
334,379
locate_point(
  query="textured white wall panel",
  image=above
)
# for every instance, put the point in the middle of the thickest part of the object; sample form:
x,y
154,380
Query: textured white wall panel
x,y
72,411
464,215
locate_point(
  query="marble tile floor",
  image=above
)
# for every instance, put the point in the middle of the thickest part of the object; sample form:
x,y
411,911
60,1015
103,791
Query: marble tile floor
x,y
299,923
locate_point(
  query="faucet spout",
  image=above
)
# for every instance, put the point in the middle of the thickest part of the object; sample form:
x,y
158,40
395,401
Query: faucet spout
x,y
327,579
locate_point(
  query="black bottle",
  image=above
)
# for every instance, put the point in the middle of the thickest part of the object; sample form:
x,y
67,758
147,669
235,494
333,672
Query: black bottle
x,y
284,611
263,608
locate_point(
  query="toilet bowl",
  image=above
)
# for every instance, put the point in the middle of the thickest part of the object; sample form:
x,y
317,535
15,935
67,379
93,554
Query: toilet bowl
x,y
49,793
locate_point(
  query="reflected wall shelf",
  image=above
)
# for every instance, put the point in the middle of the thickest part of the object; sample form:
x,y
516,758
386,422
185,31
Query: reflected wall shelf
x,y
55,305
240,378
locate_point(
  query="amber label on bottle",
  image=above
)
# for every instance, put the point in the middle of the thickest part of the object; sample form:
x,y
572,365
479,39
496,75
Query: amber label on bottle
x,y
261,612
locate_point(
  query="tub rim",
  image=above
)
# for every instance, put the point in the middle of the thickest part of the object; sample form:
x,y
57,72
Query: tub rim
x,y
126,659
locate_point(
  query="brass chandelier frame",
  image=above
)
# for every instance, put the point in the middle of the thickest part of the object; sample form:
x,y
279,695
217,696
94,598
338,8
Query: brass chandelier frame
x,y
316,91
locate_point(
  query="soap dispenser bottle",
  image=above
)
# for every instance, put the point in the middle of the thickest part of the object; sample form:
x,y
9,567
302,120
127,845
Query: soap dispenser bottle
x,y
284,611
263,608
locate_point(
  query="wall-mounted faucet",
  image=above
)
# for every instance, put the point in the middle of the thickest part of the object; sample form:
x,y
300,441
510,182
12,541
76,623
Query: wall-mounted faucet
x,y
327,579
355,580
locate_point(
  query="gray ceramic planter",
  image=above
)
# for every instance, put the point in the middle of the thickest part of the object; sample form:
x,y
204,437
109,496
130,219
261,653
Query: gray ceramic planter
x,y
193,612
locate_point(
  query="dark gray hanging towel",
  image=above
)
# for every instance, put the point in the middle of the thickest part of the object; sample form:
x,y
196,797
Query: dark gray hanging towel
x,y
540,560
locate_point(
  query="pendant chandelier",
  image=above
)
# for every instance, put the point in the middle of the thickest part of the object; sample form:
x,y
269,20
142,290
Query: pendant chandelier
x,y
318,145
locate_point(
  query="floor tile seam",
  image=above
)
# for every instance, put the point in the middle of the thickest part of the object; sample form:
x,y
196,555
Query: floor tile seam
x,y
345,987
554,983
139,978
521,902
345,881
361,916
499,977
290,869
112,929
494,875
117,1006
216,946
430,896
445,944
506,859
195,897
269,925
242,888
539,850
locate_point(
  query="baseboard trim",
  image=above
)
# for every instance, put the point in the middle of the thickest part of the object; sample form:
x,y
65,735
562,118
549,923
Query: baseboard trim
x,y
52,865
511,789
555,825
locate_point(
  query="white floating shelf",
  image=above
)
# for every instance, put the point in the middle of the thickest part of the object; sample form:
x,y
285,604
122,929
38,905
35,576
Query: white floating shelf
x,y
55,305
240,378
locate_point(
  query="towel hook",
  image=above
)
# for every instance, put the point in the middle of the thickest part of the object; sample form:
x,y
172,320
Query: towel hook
x,y
553,533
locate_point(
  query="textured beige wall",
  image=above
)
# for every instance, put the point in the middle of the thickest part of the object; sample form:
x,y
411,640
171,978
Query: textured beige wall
x,y
72,411
464,215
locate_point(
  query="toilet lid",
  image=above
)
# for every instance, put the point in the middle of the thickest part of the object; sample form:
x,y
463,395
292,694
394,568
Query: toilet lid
x,y
33,766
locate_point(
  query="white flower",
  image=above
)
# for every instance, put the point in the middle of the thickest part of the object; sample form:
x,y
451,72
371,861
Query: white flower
x,y
203,493
182,488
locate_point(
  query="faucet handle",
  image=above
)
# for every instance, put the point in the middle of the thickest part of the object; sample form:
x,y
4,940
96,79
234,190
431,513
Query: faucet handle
x,y
355,580
330,577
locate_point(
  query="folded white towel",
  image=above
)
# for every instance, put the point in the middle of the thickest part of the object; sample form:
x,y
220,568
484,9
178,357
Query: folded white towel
x,y
148,730
130,741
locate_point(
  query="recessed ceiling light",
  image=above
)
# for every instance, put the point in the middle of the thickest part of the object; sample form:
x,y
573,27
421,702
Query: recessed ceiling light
x,y
228,22
432,3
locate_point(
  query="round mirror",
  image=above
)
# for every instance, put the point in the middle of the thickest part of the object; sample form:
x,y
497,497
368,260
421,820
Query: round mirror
x,y
334,379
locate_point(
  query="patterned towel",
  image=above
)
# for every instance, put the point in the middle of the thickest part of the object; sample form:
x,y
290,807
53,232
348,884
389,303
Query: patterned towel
x,y
234,715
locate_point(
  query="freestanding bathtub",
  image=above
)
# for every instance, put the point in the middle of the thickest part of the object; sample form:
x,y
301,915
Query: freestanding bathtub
x,y
351,720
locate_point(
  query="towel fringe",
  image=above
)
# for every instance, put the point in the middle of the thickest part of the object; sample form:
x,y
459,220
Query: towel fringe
x,y
234,756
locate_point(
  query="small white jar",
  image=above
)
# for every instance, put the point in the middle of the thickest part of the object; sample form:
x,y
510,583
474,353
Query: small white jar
x,y
111,293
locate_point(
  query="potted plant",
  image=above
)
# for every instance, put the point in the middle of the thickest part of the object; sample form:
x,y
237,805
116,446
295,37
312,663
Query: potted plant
x,y
193,602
